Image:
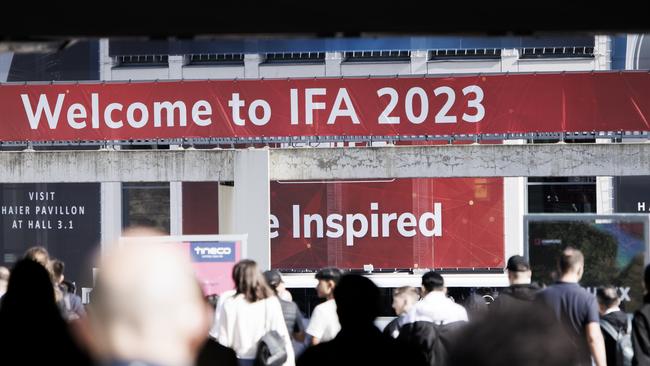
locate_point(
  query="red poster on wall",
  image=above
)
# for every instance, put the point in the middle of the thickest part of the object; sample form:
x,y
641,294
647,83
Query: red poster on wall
x,y
401,223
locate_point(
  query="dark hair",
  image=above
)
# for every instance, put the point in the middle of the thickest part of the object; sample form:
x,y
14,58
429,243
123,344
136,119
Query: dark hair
x,y
329,274
646,277
432,281
358,300
570,259
607,296
249,281
57,268
273,279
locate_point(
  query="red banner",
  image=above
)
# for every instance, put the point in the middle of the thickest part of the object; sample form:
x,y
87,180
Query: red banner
x,y
403,223
576,102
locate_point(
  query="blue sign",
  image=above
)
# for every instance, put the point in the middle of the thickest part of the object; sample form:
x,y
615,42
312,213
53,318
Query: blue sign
x,y
215,251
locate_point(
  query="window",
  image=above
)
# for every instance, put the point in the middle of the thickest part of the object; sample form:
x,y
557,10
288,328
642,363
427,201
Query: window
x,y
146,204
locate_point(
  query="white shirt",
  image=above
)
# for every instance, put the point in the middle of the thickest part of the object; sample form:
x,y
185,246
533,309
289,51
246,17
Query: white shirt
x,y
242,324
214,331
324,322
436,307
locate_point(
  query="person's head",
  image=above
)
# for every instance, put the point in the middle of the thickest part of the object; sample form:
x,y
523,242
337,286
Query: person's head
x,y
524,335
404,298
571,264
38,254
274,280
607,298
249,281
29,286
147,304
518,270
357,301
4,279
328,278
432,281
57,270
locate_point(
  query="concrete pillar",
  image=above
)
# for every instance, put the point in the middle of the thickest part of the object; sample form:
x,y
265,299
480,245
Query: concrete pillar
x,y
333,63
252,203
176,67
510,60
226,210
105,61
5,65
110,213
110,192
515,205
175,202
419,61
252,66
604,185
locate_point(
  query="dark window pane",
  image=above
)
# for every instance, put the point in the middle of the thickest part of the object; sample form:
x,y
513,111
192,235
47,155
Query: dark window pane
x,y
565,197
146,204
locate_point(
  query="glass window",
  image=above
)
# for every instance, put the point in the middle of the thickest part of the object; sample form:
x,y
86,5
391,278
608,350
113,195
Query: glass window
x,y
146,204
562,195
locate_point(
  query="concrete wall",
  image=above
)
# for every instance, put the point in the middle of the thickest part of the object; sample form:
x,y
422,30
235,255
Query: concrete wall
x,y
533,160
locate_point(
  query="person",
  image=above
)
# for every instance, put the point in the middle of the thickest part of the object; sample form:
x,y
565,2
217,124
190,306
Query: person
x,y
250,314
641,326
613,321
38,254
290,311
434,323
147,306
521,290
4,280
403,299
212,352
359,341
324,323
33,331
576,308
70,304
527,334
435,306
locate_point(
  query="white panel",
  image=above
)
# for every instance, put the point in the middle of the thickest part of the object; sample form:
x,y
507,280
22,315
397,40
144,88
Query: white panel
x,y
252,204
375,69
140,73
581,64
333,63
213,72
464,67
291,71
419,62
226,209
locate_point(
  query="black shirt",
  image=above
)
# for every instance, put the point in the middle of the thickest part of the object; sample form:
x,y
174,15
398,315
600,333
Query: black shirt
x,y
618,320
574,307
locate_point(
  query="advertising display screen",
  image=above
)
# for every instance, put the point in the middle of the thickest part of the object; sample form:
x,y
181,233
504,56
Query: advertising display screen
x,y
454,224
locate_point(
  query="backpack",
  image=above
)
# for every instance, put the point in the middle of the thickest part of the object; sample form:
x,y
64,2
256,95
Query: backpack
x,y
624,350
432,341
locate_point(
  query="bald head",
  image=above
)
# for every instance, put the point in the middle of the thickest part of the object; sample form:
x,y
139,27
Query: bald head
x,y
147,304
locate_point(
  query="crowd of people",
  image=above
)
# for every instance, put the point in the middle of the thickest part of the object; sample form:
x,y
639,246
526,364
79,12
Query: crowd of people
x,y
147,309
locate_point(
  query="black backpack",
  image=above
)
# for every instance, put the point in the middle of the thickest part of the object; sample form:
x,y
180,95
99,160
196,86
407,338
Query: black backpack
x,y
433,341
